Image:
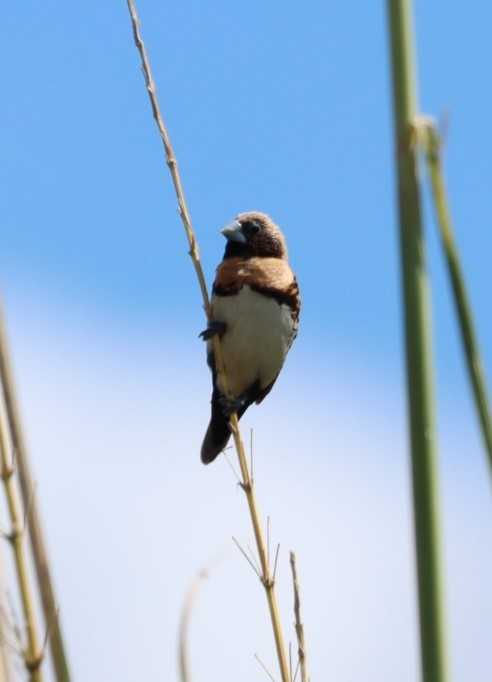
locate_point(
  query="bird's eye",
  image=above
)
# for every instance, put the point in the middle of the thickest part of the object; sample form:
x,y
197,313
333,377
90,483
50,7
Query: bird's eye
x,y
250,228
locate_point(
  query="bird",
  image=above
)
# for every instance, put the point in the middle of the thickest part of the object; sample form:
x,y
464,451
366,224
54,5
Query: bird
x,y
256,305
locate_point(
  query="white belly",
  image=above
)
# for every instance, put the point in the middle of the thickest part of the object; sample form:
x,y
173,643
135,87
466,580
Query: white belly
x,y
258,335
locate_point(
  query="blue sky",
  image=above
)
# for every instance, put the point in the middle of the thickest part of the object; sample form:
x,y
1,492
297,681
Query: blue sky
x,y
279,107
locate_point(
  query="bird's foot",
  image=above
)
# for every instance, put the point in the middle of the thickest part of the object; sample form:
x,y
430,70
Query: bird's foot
x,y
230,405
213,329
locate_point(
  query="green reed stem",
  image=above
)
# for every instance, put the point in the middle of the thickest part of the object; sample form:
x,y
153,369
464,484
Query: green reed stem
x,y
418,346
432,149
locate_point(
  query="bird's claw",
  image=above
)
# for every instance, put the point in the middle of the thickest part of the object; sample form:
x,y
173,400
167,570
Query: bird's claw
x,y
213,329
230,405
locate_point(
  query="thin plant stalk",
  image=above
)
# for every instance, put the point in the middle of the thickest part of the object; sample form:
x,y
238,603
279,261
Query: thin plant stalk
x,y
432,149
267,577
418,346
185,623
32,654
33,521
301,646
6,630
189,603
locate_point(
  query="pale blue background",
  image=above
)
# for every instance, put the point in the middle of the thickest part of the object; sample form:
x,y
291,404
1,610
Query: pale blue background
x,y
282,107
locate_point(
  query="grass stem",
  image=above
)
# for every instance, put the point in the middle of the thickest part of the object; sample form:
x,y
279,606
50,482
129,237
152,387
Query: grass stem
x,y
418,346
301,646
32,653
432,149
247,483
33,521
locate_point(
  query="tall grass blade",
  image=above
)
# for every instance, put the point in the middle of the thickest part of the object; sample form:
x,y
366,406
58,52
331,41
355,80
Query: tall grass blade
x,y
418,346
38,545
432,149
247,483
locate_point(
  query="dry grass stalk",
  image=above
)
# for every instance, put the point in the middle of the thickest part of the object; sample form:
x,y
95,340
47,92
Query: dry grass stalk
x,y
32,654
298,622
189,603
7,651
185,623
33,522
247,482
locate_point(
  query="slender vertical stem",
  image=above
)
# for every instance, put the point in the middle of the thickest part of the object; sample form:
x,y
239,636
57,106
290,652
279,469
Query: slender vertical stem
x,y
462,304
418,346
267,577
32,654
38,545
301,646
185,622
247,483
6,658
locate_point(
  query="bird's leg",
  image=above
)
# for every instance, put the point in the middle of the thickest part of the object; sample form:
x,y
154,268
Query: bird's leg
x,y
230,405
213,328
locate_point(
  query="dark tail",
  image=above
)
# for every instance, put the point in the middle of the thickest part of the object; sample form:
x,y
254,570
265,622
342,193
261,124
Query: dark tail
x,y
215,440
218,432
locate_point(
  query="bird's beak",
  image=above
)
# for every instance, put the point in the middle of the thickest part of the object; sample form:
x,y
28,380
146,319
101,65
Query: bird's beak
x,y
233,232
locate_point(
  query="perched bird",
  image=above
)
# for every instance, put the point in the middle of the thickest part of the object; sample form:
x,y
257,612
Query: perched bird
x,y
256,304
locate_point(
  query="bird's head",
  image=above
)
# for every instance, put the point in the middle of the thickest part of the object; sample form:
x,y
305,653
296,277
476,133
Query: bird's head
x,y
254,234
